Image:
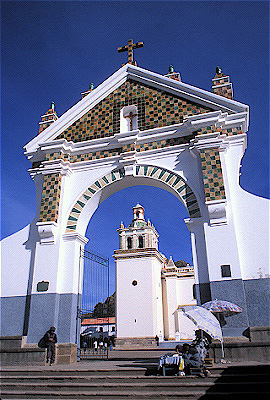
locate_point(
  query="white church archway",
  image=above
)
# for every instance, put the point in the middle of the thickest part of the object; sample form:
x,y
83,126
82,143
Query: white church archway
x,y
165,178
106,185
184,139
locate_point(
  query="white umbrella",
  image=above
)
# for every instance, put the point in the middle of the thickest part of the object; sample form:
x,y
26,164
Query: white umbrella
x,y
206,321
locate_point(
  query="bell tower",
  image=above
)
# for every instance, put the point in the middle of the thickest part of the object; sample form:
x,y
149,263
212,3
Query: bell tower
x,y
139,311
139,234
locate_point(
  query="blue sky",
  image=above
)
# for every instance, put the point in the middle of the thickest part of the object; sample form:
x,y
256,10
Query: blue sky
x,y
51,51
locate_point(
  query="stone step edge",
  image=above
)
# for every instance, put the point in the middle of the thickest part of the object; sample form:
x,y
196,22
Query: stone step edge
x,y
135,397
196,384
110,396
133,377
37,386
129,393
98,376
104,371
109,393
154,377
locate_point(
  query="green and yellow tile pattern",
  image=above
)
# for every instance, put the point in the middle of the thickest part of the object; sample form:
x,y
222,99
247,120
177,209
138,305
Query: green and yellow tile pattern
x,y
159,144
47,119
50,201
213,129
59,155
212,175
222,86
96,155
156,108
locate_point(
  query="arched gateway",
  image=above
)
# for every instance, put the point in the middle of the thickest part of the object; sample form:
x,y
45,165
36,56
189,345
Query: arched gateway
x,y
138,128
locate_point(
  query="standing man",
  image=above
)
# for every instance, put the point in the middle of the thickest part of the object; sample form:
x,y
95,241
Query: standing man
x,y
50,340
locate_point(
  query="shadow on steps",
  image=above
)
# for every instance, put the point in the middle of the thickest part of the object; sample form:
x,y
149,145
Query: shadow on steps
x,y
237,382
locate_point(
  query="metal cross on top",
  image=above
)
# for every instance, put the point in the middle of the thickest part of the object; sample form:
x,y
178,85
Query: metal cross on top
x,y
129,48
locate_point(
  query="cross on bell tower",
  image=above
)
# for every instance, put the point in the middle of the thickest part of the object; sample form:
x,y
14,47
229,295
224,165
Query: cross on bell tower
x,y
129,48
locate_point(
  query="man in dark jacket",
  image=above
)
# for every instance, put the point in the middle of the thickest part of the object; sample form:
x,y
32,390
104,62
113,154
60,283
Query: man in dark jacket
x,y
191,358
50,340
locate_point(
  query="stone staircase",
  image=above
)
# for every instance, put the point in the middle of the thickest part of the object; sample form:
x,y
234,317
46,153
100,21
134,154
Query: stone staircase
x,y
225,382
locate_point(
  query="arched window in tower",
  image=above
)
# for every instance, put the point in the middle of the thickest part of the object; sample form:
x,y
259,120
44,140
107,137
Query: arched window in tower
x,y
129,242
140,242
128,119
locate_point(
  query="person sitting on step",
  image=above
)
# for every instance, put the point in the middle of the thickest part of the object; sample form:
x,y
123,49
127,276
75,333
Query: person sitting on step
x,y
191,358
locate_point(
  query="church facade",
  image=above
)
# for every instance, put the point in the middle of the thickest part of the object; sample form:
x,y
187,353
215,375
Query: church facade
x,y
138,127
150,289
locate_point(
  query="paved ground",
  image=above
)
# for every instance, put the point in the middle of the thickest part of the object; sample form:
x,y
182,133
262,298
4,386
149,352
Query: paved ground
x,y
118,359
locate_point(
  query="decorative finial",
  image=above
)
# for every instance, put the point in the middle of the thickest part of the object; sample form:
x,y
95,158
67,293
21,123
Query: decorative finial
x,y
48,118
170,69
221,84
91,86
129,48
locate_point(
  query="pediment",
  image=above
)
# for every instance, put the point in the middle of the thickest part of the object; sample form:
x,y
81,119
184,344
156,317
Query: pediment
x,y
160,101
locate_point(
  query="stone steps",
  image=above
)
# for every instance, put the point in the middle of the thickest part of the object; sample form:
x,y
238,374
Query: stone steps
x,y
134,395
128,378
162,384
233,383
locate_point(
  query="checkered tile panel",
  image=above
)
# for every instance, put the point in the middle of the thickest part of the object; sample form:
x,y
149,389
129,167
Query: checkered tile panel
x,y
212,175
50,201
156,108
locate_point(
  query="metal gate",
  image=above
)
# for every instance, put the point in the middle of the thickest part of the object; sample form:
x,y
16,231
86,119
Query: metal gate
x,y
93,344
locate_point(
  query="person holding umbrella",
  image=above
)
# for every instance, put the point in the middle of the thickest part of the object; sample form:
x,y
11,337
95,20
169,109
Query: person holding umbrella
x,y
206,321
202,342
221,309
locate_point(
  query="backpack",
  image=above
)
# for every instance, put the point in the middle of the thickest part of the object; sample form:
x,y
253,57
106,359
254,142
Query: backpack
x,y
42,343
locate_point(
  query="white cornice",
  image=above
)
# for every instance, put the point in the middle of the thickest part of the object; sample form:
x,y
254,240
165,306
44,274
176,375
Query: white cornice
x,y
141,75
94,164
56,167
67,237
164,152
190,125
209,141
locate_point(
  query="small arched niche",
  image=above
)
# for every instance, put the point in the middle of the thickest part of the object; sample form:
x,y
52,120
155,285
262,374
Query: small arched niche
x,y
129,242
128,119
141,242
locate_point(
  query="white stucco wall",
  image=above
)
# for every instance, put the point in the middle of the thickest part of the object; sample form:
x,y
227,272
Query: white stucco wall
x,y
172,304
250,214
15,261
252,232
179,292
139,312
185,291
